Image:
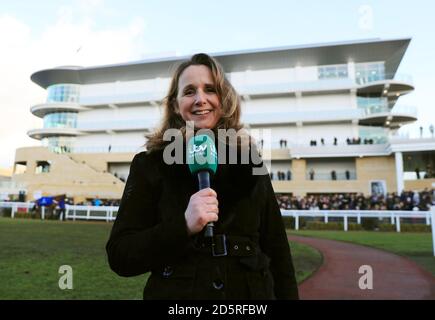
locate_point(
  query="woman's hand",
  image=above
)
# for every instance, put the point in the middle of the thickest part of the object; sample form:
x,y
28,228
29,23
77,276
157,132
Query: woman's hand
x,y
202,209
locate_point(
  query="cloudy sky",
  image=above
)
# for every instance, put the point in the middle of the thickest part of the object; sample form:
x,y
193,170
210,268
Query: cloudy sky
x,y
36,35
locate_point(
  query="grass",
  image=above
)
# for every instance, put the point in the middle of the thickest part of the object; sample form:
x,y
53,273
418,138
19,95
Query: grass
x,y
31,252
306,260
415,246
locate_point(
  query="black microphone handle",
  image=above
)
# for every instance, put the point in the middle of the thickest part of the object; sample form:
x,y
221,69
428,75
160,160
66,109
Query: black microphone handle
x,y
204,182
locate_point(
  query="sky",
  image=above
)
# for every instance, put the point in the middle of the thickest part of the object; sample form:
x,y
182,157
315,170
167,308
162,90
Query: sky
x,y
43,34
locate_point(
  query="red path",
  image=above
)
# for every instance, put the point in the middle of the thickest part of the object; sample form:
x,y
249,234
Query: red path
x,y
394,277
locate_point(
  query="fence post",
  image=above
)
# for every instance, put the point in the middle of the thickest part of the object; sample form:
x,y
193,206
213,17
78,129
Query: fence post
x,y
43,213
432,218
345,222
13,209
88,213
398,223
358,218
296,221
326,216
428,213
392,218
109,213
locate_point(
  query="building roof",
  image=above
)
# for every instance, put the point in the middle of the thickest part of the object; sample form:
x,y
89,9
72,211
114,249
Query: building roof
x,y
369,50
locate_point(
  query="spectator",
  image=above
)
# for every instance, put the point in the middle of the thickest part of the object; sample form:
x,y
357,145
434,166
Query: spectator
x,y
335,141
333,175
322,141
417,172
311,174
347,173
289,175
421,132
431,130
96,202
408,200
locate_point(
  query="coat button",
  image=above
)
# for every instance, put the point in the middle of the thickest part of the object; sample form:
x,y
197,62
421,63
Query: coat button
x,y
218,284
167,271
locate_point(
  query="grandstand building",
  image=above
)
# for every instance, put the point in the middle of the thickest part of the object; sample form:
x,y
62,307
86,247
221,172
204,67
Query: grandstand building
x,y
329,107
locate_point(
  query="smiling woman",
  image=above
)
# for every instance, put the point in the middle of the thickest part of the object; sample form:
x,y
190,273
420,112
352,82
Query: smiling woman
x,y
197,98
200,92
162,217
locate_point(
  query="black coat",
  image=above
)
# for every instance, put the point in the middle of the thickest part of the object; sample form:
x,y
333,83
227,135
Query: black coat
x,y
150,234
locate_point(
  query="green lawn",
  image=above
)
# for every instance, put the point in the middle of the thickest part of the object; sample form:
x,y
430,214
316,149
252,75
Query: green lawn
x,y
31,252
416,246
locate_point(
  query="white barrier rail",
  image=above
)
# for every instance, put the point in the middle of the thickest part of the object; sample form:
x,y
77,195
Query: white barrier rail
x,y
394,216
108,213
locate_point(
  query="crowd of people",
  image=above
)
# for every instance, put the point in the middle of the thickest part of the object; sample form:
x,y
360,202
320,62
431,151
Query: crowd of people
x,y
407,200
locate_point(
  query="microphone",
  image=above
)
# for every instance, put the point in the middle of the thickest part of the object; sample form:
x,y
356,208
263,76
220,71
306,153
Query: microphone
x,y
202,161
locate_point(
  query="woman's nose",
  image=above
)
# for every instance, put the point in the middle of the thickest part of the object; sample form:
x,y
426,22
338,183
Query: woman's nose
x,y
199,98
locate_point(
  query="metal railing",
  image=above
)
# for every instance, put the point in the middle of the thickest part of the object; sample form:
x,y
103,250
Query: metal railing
x,y
109,213
394,216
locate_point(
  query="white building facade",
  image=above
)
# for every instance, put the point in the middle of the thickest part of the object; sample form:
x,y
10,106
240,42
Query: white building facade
x,y
336,106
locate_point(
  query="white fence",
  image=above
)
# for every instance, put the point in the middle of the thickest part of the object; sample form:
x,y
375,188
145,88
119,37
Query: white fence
x,y
105,213
108,213
394,216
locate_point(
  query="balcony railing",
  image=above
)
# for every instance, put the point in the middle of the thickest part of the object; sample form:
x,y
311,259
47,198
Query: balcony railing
x,y
108,149
397,109
362,80
118,124
340,175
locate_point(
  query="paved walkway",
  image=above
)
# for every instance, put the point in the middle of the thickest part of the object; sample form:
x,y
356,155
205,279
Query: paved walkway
x,y
394,277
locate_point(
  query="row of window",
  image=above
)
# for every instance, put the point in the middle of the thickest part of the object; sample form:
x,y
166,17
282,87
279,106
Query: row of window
x,y
63,93
60,120
59,144
364,72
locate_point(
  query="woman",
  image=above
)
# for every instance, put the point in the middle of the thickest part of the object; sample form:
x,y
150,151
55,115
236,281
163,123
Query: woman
x,y
160,223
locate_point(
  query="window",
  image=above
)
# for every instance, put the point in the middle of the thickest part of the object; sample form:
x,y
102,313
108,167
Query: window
x,y
333,72
42,167
20,167
60,144
60,120
63,93
369,72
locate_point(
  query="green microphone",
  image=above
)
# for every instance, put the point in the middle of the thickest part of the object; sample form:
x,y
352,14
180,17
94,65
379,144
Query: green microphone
x,y
202,160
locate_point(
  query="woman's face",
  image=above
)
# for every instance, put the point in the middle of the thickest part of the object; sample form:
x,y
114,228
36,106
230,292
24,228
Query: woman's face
x,y
197,98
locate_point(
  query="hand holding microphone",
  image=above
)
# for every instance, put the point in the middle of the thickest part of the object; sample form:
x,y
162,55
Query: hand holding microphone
x,y
202,209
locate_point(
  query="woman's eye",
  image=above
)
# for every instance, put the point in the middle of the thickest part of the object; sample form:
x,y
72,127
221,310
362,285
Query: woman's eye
x,y
188,92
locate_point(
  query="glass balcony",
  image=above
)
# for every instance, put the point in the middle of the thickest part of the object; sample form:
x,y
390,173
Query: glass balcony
x,y
63,93
382,108
60,120
340,175
364,79
132,124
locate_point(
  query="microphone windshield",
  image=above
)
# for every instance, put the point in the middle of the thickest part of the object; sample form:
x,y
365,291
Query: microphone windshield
x,y
201,154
